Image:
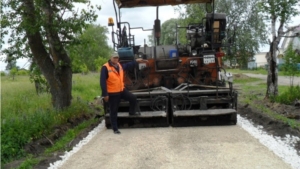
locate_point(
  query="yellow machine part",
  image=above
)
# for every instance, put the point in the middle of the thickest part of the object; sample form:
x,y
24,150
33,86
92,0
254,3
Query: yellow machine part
x,y
144,3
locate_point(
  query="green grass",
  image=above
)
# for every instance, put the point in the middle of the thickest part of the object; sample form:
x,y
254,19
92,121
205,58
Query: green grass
x,y
288,96
60,145
257,71
69,136
86,86
29,162
254,71
26,116
250,94
247,80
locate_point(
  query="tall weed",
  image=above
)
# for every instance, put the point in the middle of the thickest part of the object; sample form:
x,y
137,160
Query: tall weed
x,y
26,116
288,96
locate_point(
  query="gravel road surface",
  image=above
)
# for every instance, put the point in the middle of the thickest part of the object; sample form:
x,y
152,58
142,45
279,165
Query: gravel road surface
x,y
214,147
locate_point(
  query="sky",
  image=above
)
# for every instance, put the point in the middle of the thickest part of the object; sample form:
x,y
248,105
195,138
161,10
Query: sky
x,y
137,17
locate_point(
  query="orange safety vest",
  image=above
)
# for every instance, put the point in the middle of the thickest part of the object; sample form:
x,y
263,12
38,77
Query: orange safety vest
x,y
114,81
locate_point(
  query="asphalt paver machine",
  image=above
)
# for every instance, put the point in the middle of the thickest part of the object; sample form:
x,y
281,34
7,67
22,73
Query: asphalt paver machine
x,y
179,85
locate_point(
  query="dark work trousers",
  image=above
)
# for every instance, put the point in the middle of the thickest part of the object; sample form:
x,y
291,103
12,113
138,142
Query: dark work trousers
x,y
114,101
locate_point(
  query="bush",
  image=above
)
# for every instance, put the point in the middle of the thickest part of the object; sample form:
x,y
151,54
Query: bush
x,y
22,72
289,96
19,130
13,72
84,69
100,62
291,58
3,73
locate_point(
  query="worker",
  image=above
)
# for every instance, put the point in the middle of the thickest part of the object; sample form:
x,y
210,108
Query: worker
x,y
113,90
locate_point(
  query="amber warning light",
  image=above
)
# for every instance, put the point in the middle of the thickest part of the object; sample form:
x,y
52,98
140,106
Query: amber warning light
x,y
110,21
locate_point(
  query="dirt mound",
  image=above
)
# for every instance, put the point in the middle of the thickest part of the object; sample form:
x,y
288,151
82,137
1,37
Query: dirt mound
x,y
289,111
240,76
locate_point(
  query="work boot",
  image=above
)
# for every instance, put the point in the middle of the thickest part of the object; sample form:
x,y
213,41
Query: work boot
x,y
117,132
137,111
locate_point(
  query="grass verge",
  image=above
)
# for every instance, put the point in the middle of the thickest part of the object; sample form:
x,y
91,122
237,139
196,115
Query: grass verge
x,y
257,71
26,116
253,93
60,145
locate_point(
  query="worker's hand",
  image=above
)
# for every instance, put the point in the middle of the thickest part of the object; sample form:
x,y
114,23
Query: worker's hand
x,y
105,98
140,60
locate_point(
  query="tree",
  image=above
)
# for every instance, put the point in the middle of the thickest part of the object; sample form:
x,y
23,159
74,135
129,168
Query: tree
x,y
36,77
242,19
11,64
190,14
13,72
291,58
93,45
42,29
151,40
168,32
276,11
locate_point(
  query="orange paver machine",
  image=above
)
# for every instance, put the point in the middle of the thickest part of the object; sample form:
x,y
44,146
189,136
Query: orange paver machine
x,y
181,84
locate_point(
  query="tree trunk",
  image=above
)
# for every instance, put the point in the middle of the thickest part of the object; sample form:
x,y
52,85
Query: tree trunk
x,y
272,79
56,67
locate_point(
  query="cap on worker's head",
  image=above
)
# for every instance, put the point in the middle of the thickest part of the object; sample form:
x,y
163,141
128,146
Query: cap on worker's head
x,y
115,55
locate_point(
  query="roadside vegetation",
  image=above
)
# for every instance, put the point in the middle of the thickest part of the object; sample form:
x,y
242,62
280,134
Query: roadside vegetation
x,y
260,70
252,93
27,116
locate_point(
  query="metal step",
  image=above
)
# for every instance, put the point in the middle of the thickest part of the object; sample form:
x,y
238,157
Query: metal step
x,y
145,114
209,112
146,119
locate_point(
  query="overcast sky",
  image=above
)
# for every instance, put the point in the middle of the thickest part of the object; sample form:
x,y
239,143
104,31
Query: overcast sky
x,y
137,17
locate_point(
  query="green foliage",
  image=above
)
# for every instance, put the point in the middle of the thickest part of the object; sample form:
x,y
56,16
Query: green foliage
x,y
29,162
251,94
11,63
66,21
99,62
168,32
188,14
19,130
69,136
41,30
13,72
242,18
84,69
61,144
278,9
36,77
291,59
3,73
250,28
26,116
279,13
22,72
288,96
93,44
86,87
